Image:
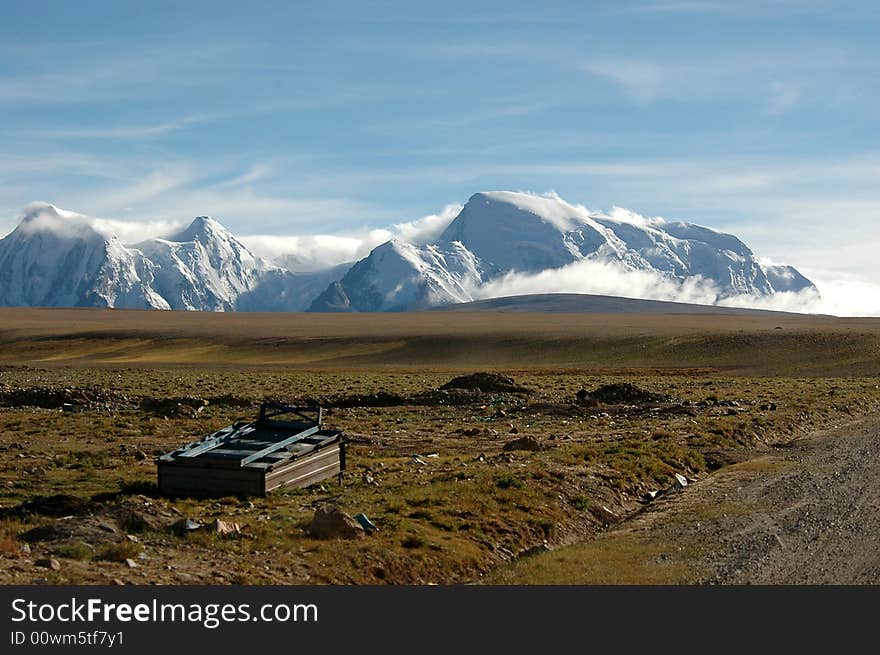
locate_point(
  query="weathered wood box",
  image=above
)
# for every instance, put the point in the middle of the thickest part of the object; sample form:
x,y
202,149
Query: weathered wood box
x,y
285,447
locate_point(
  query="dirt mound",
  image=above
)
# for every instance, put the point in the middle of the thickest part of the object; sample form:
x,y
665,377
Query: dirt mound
x,y
616,394
486,383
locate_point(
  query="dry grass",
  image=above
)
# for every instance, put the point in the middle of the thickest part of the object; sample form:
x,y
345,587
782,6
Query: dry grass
x,y
458,516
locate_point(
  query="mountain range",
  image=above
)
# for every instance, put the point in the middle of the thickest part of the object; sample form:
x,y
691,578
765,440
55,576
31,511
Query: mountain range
x,y
59,258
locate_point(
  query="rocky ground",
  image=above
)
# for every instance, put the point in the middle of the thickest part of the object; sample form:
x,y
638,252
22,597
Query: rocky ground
x,y
807,513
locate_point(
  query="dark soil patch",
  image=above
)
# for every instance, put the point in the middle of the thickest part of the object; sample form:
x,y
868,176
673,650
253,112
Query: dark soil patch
x,y
486,383
624,392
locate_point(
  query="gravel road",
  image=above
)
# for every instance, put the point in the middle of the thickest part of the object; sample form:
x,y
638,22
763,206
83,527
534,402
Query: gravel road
x,y
806,514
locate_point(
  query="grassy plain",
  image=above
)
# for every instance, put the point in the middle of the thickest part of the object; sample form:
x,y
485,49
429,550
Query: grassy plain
x,y
735,387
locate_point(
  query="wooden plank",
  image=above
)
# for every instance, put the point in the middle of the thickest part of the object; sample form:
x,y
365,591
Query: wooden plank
x,y
280,444
214,440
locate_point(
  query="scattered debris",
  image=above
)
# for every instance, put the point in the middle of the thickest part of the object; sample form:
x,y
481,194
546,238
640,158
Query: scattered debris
x,y
418,461
523,443
332,523
366,523
486,383
679,483
184,526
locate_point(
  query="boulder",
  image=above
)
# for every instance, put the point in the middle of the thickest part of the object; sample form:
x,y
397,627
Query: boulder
x,y
523,443
333,523
49,563
224,527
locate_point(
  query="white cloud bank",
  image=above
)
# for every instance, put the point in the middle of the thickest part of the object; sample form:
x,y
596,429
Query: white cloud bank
x,y
322,250
836,294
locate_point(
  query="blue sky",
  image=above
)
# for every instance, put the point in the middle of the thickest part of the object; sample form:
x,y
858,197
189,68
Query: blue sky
x,y
292,118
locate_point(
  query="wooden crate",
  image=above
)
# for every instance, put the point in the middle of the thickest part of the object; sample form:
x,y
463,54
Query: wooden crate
x,y
252,459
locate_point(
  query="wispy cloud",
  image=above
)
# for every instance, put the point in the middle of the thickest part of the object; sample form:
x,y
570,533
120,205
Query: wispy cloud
x,y
782,96
123,131
642,80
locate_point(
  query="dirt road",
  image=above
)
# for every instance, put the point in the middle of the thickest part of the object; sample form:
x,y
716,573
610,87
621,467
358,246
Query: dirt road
x,y
806,514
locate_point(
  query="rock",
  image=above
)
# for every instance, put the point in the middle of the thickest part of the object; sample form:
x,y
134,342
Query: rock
x,y
184,526
523,443
224,527
537,549
106,527
332,523
49,563
140,455
130,563
25,549
368,479
249,504
470,432
51,532
582,395
118,582
768,407
513,430
651,496
679,483
604,514
418,461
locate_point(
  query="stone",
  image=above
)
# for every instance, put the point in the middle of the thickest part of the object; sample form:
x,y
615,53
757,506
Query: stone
x,y
332,523
523,443
604,514
537,549
224,527
49,563
130,563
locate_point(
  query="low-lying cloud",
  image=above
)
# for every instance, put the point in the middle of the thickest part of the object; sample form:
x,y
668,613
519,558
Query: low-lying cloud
x,y
835,294
315,251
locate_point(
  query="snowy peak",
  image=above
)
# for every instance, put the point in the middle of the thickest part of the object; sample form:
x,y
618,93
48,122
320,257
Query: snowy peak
x,y
203,267
57,258
203,229
499,233
46,218
397,275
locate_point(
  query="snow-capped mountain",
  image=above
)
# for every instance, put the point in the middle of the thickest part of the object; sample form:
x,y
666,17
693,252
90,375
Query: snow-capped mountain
x,y
56,258
204,267
502,232
59,258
